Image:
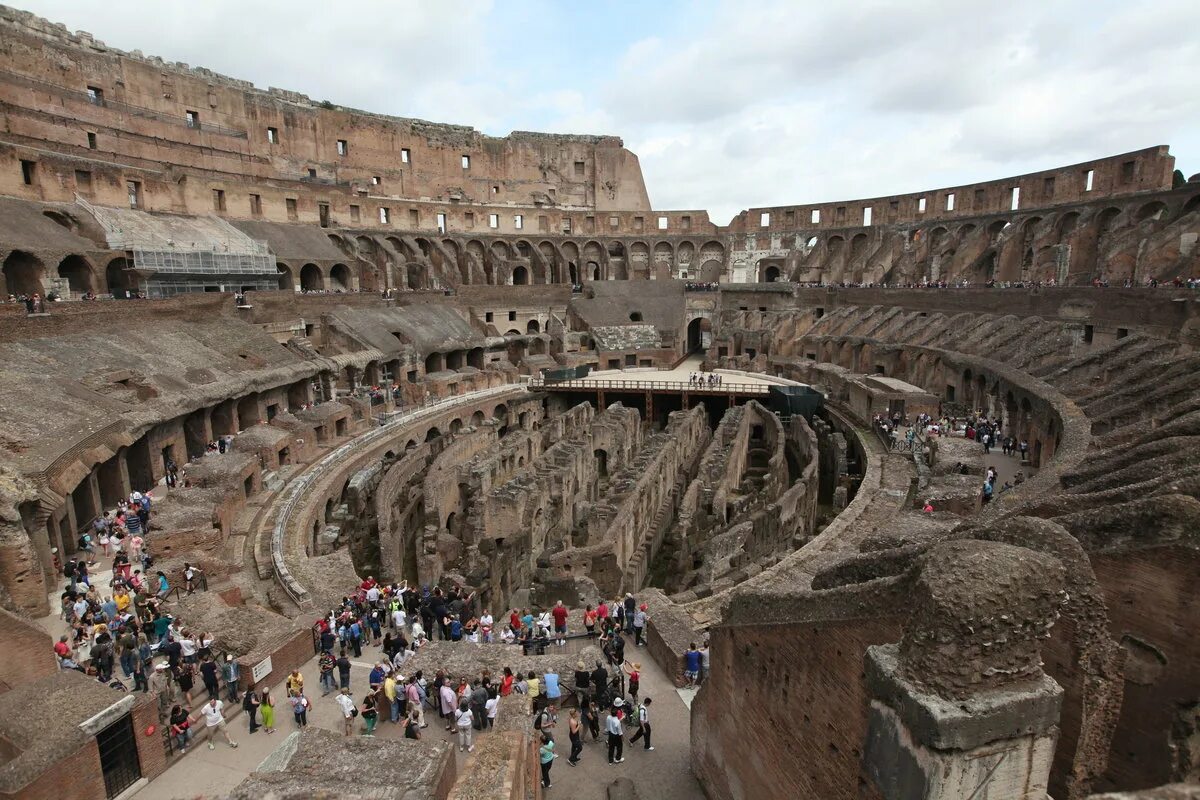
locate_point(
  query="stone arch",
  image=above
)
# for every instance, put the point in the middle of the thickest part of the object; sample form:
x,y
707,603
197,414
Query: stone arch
x,y
965,231
78,273
455,425
710,271
119,278
340,278
432,434
664,257
24,274
520,276
1066,224
1151,210
1105,220
475,358
533,327
995,228
696,329
311,278
62,218
416,275
476,253
1193,204
770,270
365,246
477,419
500,412
685,255
635,316
287,280
434,362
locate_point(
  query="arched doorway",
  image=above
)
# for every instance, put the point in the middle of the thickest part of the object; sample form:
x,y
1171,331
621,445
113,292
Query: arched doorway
x,y
120,278
533,327
520,276
771,274
339,278
23,274
77,274
593,269
311,279
287,281
696,330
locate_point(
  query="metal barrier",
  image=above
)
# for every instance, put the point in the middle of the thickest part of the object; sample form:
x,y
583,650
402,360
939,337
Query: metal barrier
x,y
648,386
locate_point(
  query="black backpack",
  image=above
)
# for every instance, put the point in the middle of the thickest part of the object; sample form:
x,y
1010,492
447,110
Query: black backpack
x,y
247,701
69,568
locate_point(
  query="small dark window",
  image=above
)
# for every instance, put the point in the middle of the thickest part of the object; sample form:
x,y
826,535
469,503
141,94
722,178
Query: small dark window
x,y
193,119
28,169
1089,332
255,205
512,315
291,207
1127,170
355,213
579,168
1122,333
91,141
83,181
218,199
312,172
488,316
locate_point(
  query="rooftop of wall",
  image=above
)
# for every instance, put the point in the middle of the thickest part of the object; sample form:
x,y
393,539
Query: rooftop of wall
x,y
56,391
295,244
1153,173
661,303
25,226
427,327
17,22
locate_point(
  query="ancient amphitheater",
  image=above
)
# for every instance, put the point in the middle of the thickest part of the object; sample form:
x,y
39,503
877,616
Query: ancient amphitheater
x,y
390,348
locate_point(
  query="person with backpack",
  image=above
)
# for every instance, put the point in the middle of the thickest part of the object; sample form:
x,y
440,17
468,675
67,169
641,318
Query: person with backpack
x,y
643,731
250,703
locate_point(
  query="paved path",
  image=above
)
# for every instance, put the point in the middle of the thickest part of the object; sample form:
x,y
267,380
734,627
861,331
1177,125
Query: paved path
x,y
679,374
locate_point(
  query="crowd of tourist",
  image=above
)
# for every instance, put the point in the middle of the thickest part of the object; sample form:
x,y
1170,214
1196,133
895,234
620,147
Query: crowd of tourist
x,y
707,286
704,379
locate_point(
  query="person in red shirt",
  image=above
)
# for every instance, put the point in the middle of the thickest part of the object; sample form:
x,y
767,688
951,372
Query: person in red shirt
x,y
514,621
602,612
61,648
559,612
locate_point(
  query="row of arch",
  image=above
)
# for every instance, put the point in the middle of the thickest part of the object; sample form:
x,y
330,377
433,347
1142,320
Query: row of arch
x,y
74,275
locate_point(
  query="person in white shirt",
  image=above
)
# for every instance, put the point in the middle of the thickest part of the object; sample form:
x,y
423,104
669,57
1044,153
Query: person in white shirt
x,y
507,636
399,618
492,706
214,722
485,624
373,595
346,703
462,721
187,649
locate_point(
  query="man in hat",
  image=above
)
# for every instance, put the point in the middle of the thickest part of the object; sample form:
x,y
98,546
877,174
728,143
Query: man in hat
x,y
230,673
616,739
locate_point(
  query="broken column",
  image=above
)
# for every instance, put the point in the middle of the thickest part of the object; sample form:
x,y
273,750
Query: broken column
x,y
961,708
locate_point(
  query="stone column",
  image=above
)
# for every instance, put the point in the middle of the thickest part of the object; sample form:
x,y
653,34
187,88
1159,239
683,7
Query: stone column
x,y
961,707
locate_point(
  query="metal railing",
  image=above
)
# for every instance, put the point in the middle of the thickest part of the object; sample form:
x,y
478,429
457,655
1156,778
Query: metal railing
x,y
646,386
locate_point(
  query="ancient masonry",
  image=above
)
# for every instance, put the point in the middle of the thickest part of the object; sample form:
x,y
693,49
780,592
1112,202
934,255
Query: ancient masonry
x,y
452,359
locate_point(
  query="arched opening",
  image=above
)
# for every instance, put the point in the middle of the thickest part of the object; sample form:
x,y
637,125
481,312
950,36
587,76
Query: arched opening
x,y
710,271
1151,211
434,362
771,274
77,273
339,278
1191,205
1106,219
477,419
520,276
432,434
500,413
696,334
573,272
635,316
455,359
311,279
533,327
593,269
248,411
287,281
23,274
62,219
455,425
601,462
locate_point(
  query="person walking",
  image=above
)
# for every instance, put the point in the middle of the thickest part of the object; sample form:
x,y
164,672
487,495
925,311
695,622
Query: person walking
x,y
327,663
575,732
643,731
230,673
546,756
639,626
213,713
370,713
267,706
616,739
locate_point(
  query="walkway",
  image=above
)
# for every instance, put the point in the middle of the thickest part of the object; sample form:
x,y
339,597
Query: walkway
x,y
679,374
663,774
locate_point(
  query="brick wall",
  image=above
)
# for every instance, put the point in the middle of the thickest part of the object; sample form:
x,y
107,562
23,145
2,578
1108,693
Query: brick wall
x,y
151,755
28,652
784,712
286,653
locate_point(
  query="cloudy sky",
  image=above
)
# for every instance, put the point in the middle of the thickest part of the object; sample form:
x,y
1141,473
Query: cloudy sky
x,y
729,105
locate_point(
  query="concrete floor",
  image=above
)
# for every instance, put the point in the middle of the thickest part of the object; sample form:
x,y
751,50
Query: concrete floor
x,y
679,374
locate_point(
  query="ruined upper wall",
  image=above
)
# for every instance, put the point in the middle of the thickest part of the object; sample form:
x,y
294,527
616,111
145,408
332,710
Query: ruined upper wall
x,y
149,107
1148,170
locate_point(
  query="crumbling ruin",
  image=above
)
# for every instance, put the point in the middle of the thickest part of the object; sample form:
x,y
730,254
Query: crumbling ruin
x,y
484,377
